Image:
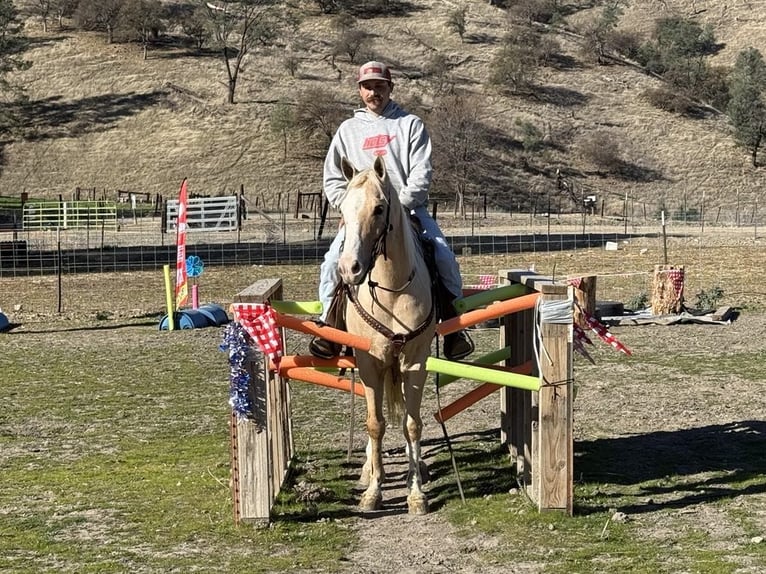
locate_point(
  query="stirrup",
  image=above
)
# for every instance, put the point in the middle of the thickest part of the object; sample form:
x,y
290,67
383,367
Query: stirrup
x,y
324,349
458,346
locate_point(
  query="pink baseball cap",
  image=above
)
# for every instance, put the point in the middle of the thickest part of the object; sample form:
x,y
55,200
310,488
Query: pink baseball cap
x,y
373,71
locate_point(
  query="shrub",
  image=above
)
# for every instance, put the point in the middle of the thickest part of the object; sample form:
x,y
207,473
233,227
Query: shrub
x,y
602,149
638,301
709,299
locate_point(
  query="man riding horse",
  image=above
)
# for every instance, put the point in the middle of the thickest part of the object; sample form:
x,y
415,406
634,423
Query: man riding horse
x,y
383,129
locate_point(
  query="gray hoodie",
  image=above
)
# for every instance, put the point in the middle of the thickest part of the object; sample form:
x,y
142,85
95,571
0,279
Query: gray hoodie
x,y
400,137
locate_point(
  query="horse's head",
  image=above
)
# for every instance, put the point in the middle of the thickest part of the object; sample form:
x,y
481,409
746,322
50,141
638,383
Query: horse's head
x,y
366,210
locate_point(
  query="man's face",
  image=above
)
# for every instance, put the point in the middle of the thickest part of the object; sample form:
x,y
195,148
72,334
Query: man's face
x,y
375,94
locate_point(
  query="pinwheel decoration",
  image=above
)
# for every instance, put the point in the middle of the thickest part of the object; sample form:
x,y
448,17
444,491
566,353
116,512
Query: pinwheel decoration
x,y
194,266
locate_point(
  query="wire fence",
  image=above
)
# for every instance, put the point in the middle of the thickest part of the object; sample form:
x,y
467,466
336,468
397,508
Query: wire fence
x,y
143,244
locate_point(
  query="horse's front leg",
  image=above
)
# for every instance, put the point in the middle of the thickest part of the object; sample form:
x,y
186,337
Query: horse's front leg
x,y
372,472
414,381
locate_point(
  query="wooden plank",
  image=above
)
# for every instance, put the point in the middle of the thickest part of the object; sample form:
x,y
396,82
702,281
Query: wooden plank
x,y
555,470
530,279
585,296
515,404
251,456
261,291
262,446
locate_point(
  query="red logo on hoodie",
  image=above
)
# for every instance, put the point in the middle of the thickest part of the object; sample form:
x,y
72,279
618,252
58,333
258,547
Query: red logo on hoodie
x,y
377,143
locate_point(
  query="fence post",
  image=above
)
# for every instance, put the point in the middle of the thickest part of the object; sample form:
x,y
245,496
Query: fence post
x,y
261,447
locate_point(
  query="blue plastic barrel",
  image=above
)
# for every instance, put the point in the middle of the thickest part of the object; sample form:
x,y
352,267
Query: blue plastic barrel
x,y
215,314
187,319
4,323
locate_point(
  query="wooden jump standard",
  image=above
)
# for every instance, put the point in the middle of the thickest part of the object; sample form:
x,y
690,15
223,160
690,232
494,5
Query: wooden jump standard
x,y
539,439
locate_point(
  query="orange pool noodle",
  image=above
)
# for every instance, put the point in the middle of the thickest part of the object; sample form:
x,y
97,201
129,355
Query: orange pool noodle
x,y
477,394
319,378
329,333
492,311
292,361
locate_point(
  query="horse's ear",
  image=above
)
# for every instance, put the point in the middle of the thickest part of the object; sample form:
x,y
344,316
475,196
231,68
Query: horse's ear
x,y
349,171
380,167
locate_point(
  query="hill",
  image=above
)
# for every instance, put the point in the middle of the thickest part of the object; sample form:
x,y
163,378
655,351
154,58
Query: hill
x,y
102,117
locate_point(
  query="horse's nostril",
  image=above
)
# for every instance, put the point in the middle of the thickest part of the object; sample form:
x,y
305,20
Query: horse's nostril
x,y
356,267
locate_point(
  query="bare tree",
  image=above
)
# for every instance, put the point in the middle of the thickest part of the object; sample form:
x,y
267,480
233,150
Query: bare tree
x,y
458,138
351,42
42,8
456,20
64,9
196,25
238,27
99,15
142,18
318,117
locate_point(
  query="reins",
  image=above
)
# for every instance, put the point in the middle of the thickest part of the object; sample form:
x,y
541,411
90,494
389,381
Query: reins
x,y
398,340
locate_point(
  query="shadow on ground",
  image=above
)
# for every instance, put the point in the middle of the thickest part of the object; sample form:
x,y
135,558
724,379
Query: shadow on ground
x,y
674,469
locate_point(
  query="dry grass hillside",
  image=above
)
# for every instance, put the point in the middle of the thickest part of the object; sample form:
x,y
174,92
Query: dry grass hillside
x,y
103,117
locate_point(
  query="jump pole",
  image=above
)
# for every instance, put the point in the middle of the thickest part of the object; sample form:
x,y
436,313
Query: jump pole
x,y
298,307
493,311
485,374
483,298
325,332
490,358
476,395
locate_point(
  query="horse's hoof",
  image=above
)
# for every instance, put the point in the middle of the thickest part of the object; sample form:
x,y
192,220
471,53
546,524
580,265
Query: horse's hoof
x,y
417,505
370,502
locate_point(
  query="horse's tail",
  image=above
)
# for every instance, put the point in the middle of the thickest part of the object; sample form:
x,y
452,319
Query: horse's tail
x,y
394,399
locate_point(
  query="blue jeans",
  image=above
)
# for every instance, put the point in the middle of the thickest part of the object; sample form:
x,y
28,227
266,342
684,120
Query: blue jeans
x,y
448,267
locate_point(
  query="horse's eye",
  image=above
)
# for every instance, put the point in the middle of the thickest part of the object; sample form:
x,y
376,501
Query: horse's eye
x,y
378,210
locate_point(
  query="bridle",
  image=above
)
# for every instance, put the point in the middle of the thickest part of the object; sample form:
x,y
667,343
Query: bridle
x,y
398,340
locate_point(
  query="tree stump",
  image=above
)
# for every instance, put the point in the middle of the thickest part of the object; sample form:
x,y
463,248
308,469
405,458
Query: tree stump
x,y
668,289
585,297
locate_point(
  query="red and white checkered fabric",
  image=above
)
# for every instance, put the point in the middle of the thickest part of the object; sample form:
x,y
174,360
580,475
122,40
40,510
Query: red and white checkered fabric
x,y
260,322
604,334
485,282
580,340
676,276
575,281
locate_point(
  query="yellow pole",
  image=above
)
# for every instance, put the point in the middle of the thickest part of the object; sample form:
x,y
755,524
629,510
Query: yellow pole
x,y
169,298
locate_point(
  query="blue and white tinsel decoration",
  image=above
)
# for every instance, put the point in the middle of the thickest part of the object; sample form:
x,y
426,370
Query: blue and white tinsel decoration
x,y
237,342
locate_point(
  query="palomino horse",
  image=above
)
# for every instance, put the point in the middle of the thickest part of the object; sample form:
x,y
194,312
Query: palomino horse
x,y
389,291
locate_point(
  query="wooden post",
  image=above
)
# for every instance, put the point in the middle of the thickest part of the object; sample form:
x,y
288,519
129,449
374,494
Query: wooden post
x,y
554,477
516,404
261,446
537,426
667,289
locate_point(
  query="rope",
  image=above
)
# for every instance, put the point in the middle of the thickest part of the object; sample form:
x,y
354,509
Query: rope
x,y
447,439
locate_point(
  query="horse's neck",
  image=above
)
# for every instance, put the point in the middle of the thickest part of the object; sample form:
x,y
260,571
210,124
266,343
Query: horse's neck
x,y
400,251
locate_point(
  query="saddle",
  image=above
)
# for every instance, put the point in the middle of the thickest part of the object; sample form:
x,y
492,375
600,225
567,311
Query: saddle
x,y
443,307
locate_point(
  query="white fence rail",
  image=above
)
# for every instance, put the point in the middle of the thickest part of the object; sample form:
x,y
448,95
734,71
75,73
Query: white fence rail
x,y
206,214
69,215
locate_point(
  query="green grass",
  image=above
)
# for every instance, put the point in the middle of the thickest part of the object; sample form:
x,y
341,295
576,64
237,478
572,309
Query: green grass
x,y
114,465
114,452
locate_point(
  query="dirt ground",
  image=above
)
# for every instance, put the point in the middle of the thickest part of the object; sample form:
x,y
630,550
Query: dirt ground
x,y
653,412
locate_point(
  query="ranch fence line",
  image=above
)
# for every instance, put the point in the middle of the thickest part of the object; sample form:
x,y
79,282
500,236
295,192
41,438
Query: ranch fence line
x,y
233,235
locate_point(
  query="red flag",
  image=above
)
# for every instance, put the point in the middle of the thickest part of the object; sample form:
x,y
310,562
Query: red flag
x,y
182,289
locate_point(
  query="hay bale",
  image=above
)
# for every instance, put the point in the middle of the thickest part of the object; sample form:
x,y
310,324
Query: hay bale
x,y
667,289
